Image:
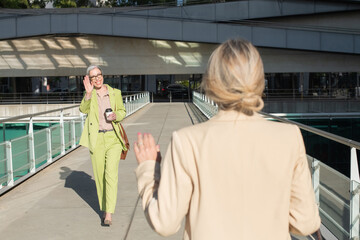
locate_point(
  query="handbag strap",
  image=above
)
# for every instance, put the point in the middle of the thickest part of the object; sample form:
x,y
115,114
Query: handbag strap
x,y
123,137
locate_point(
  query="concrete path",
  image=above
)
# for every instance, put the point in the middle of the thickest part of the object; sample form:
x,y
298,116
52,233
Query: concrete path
x,y
60,202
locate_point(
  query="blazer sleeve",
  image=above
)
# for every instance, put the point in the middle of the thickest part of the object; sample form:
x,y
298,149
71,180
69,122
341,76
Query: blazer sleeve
x,y
85,105
165,196
304,214
120,110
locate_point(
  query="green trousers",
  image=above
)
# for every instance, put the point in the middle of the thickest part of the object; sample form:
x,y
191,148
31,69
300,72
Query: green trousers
x,y
105,161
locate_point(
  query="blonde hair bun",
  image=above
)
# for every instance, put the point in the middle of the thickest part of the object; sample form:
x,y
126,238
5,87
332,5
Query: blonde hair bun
x,y
235,77
251,102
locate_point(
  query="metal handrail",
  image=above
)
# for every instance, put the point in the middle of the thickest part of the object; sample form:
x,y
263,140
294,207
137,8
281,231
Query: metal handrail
x,y
36,114
336,138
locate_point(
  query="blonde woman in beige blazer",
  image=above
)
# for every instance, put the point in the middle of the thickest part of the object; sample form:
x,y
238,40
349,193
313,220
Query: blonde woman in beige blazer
x,y
236,176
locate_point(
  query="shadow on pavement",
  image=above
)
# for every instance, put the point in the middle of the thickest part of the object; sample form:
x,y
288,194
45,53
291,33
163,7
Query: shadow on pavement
x,y
83,185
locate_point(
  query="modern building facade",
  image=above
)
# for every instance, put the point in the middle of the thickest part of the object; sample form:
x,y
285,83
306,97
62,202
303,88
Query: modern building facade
x,y
310,49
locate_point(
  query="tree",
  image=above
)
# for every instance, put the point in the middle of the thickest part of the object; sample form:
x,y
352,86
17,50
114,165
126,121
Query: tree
x,y
39,3
23,3
14,4
71,3
64,3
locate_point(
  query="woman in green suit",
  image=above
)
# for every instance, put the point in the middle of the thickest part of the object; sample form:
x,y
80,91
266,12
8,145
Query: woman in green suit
x,y
101,135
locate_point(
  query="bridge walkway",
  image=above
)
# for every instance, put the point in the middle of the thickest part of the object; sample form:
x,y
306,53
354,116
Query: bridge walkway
x,y
60,202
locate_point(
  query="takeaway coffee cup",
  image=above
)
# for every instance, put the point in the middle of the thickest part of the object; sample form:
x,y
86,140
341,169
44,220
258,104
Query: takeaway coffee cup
x,y
108,111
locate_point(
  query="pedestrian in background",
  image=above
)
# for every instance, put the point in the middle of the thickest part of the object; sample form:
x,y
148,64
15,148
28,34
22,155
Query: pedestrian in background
x,y
101,135
236,176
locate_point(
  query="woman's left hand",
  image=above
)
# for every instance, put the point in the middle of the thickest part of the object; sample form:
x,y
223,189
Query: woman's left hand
x,y
146,149
111,117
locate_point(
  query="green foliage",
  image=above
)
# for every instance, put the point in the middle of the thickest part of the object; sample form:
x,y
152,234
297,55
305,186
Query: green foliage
x,y
39,3
14,4
22,4
64,3
110,3
83,3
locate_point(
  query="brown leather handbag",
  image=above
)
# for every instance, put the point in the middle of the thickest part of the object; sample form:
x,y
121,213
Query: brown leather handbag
x,y
124,138
126,141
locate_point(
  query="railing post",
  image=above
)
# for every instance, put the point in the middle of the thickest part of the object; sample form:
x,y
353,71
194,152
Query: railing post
x,y
62,132
126,106
82,121
48,143
132,104
315,172
9,165
354,196
31,146
73,137
137,102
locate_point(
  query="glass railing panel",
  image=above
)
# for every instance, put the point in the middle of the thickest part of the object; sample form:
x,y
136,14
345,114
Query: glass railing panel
x,y
40,147
67,135
55,141
20,156
78,130
3,164
355,209
12,130
335,201
333,154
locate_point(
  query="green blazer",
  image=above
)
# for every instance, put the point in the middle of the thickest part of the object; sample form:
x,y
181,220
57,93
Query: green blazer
x,y
91,108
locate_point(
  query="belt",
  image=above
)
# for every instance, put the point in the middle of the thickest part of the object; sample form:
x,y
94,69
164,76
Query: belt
x,y
104,131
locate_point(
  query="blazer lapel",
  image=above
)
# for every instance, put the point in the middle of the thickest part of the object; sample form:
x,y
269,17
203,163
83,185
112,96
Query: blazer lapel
x,y
94,104
112,97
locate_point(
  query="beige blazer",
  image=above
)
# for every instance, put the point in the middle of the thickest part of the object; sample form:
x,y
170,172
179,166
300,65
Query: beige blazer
x,y
232,177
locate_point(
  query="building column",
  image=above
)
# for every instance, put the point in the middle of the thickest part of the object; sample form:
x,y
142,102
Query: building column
x,y
305,82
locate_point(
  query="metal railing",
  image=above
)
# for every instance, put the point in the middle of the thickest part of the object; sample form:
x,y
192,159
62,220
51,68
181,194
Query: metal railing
x,y
337,195
205,104
313,93
47,97
22,157
134,102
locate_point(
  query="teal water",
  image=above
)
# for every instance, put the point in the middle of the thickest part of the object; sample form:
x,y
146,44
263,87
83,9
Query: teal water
x,y
11,131
331,153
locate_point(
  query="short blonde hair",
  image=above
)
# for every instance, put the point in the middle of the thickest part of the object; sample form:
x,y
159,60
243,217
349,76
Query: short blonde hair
x,y
235,77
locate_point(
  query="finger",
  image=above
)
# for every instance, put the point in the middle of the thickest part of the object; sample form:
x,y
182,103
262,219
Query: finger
x,y
158,148
140,141
136,148
152,140
149,141
137,153
146,141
